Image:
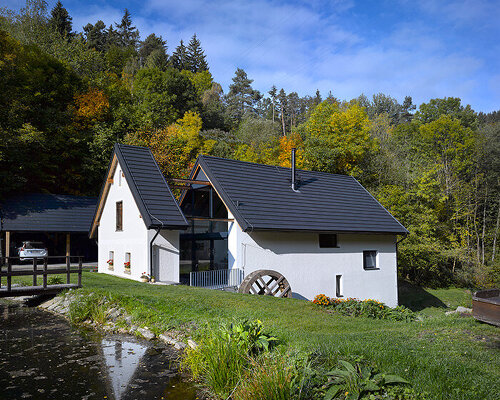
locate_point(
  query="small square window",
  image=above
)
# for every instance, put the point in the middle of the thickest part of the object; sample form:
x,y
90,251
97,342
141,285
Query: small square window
x,y
327,240
370,259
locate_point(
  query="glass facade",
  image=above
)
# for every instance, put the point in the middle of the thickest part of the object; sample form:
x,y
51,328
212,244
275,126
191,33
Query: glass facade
x,y
203,246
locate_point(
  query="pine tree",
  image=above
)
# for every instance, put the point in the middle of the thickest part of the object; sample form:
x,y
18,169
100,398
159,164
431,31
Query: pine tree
x,y
96,35
196,58
179,57
273,93
129,35
112,37
241,98
61,20
152,44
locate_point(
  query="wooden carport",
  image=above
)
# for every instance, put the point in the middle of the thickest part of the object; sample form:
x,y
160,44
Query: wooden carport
x,y
35,214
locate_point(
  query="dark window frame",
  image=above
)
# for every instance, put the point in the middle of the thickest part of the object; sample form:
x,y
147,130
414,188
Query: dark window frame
x,y
367,253
328,241
119,216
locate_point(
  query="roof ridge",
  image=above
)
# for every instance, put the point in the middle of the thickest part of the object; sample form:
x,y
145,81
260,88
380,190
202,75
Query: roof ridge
x,y
205,156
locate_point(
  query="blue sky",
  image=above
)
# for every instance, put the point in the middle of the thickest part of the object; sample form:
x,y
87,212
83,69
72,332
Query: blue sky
x,y
425,49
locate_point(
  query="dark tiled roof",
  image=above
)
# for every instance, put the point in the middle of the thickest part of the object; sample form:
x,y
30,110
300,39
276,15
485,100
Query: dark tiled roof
x,y
156,202
261,198
47,213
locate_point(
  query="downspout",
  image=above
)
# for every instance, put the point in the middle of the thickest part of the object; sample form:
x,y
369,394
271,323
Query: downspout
x,y
151,251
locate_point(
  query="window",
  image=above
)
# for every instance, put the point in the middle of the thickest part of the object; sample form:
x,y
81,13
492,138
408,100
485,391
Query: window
x,y
127,264
338,286
327,240
111,260
370,259
119,215
119,177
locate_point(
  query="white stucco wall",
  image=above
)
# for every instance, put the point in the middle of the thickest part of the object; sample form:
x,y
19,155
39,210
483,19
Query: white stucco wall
x,y
165,255
134,238
312,270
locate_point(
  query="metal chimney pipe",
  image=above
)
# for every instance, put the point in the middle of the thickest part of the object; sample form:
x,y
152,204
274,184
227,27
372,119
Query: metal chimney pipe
x,y
294,184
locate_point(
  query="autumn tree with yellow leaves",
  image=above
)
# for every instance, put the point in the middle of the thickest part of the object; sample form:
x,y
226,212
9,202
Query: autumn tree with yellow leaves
x,y
338,138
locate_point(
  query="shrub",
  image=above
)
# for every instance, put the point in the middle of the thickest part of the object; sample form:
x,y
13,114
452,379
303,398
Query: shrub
x,y
365,308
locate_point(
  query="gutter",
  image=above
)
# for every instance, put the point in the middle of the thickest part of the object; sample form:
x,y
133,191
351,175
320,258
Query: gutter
x,y
151,250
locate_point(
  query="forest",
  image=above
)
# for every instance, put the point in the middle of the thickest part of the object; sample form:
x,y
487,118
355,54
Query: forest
x,y
66,96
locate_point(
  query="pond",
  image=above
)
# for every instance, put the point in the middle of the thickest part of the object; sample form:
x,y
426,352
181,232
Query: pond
x,y
43,357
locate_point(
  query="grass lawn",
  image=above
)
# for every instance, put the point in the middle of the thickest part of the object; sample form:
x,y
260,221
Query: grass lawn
x,y
449,357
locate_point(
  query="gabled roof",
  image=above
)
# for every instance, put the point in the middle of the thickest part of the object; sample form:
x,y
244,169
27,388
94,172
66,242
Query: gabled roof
x,y
43,212
155,201
261,198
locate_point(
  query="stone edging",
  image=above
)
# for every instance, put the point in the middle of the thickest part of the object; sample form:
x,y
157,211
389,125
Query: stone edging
x,y
60,305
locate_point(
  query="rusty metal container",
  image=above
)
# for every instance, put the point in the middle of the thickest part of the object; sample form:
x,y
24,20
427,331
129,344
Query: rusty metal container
x,y
486,306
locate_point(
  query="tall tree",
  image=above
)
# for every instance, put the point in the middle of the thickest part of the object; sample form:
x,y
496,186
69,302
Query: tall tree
x,y
338,138
162,97
196,58
129,35
96,35
283,108
150,44
179,59
451,106
241,97
61,20
273,92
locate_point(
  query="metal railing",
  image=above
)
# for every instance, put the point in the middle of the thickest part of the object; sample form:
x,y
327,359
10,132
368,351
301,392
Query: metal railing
x,y
216,279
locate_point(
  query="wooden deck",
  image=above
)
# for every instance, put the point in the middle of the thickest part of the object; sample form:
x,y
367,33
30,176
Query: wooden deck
x,y
38,270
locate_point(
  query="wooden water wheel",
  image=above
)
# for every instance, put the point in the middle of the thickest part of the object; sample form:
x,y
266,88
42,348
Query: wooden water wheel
x,y
266,282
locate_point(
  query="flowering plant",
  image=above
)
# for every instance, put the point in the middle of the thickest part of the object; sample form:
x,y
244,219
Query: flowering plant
x,y
367,308
127,264
322,300
110,262
144,276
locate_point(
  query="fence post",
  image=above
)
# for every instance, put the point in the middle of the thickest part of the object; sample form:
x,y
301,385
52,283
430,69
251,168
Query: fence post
x,y
45,272
80,271
34,271
68,272
9,278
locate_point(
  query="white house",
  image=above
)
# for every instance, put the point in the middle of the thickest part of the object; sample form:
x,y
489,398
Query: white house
x,y
324,232
137,218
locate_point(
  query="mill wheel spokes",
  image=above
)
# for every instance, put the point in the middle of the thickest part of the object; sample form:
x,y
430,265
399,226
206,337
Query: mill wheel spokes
x,y
266,282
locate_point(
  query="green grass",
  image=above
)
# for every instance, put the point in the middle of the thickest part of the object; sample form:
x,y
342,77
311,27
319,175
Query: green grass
x,y
449,357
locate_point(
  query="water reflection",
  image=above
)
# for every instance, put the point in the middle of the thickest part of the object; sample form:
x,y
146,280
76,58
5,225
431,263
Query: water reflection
x,y
122,359
42,357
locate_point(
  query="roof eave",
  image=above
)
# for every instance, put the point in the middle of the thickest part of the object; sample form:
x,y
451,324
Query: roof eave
x,y
343,231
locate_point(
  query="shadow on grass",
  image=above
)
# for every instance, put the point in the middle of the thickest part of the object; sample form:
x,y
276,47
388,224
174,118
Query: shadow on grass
x,y
417,298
